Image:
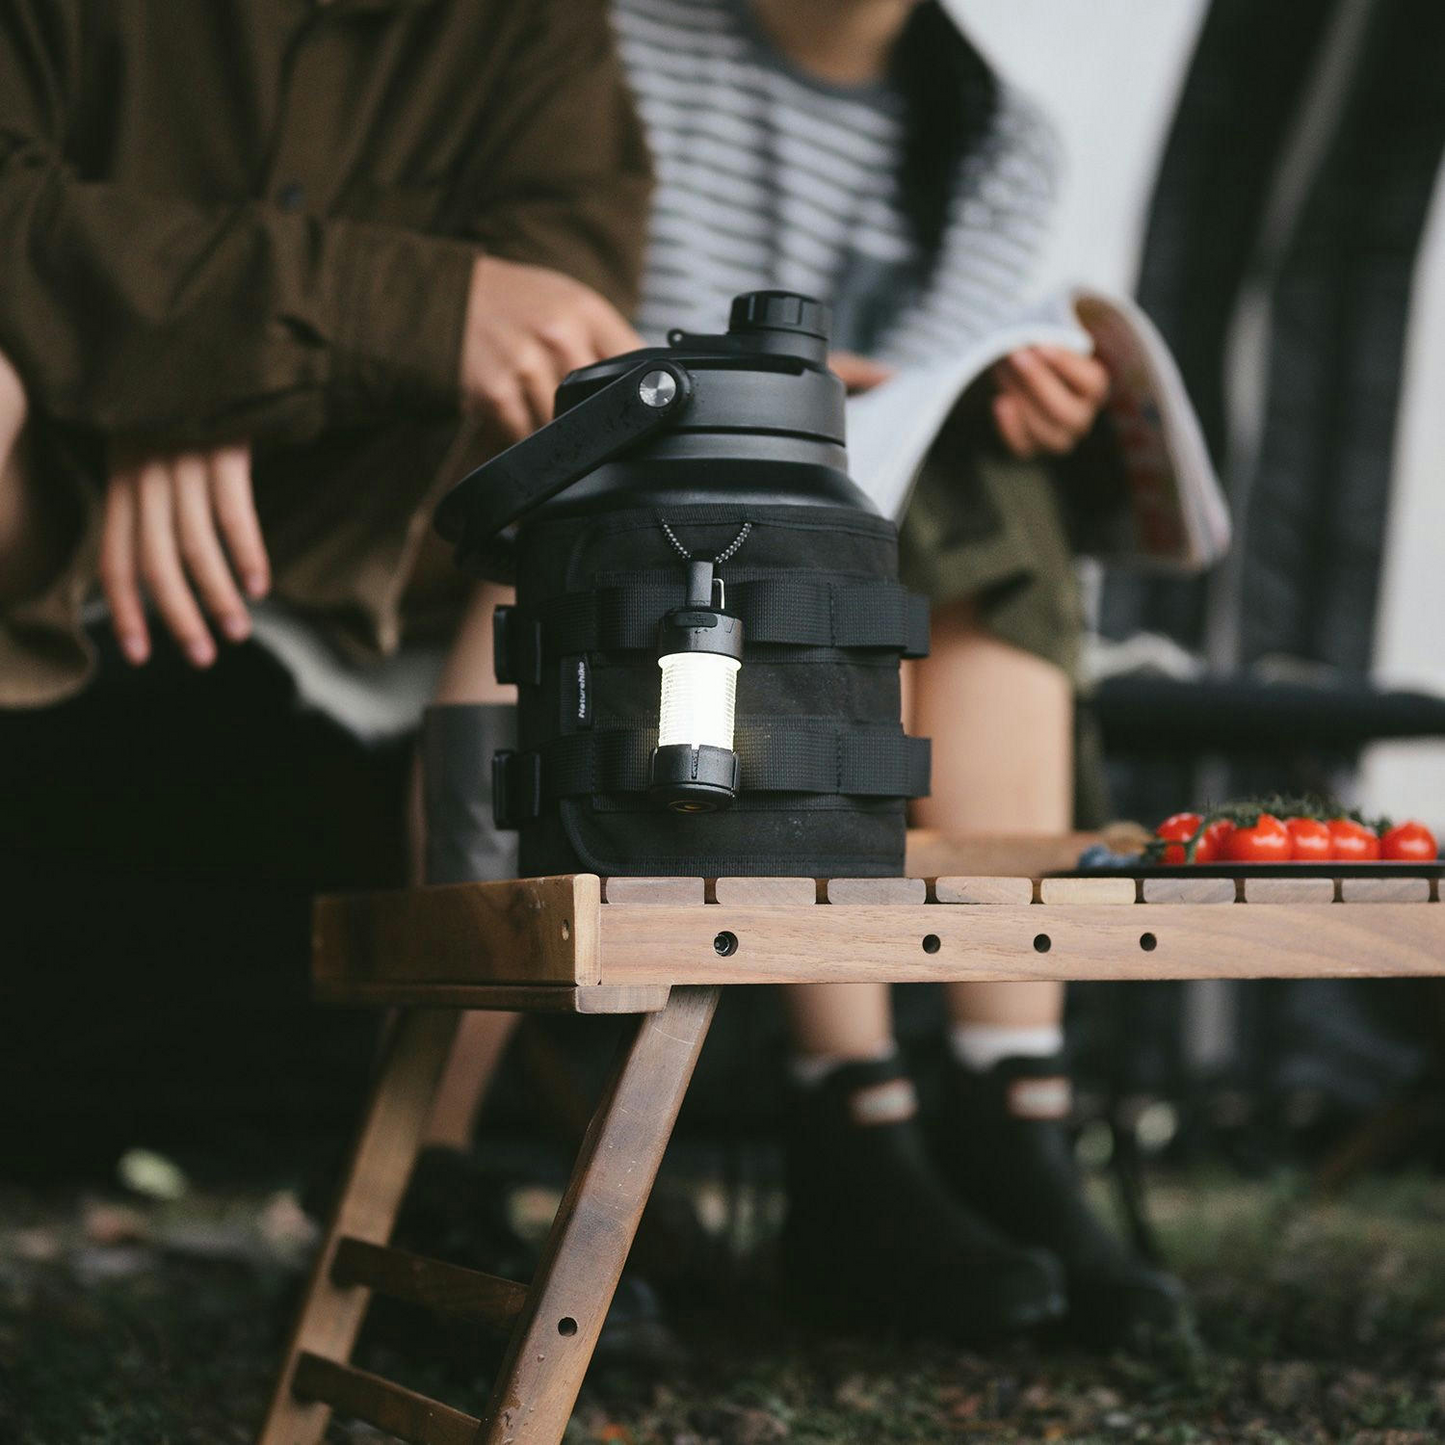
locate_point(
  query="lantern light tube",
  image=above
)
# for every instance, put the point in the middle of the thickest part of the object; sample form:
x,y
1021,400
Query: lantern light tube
x,y
699,693
694,768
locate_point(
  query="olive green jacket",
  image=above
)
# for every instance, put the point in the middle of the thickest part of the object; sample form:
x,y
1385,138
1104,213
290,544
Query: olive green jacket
x,y
256,217
255,220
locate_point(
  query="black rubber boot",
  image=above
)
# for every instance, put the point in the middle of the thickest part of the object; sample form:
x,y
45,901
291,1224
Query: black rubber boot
x,y
1002,1142
456,1210
873,1235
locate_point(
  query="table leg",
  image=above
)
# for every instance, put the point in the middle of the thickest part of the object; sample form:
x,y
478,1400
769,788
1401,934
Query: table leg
x,y
572,1290
386,1149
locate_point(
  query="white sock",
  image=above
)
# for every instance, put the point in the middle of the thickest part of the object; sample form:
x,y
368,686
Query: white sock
x,y
980,1046
809,1070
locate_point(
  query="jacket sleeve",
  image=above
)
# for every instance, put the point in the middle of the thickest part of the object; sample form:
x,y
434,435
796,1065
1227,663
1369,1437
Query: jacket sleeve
x,y
131,312
562,177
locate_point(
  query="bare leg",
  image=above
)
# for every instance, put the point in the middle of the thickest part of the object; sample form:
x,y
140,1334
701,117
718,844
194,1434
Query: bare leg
x,y
467,677
840,1020
31,541
909,1248
1001,721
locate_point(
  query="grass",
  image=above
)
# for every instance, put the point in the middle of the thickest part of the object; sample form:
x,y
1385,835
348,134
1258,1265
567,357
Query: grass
x,y
1320,1321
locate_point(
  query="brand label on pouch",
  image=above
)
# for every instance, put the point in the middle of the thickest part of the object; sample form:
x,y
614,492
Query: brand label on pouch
x,y
583,711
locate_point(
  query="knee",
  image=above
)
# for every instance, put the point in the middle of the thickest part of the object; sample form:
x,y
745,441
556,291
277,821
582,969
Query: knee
x,y
30,535
14,409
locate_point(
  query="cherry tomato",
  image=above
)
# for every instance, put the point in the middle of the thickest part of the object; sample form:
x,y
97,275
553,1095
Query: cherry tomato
x,y
1409,843
1310,840
1267,841
1210,847
1177,830
1353,842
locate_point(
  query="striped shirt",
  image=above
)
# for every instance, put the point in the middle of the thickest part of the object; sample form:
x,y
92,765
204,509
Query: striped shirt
x,y
767,177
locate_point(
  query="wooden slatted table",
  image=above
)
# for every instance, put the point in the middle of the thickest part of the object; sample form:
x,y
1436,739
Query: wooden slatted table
x,y
661,949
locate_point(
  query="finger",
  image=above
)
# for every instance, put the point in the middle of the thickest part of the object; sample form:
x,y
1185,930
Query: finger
x,y
1086,376
1049,394
503,398
537,378
201,548
1045,433
1008,417
118,568
609,333
539,393
160,566
235,509
569,344
858,373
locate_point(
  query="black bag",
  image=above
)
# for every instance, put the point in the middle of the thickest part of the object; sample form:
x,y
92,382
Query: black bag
x,y
727,449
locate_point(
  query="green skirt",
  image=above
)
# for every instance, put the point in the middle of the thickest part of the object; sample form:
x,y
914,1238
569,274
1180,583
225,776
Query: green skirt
x,y
986,526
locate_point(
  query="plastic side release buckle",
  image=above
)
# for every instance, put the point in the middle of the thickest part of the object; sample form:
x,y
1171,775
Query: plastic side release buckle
x,y
516,788
918,616
516,647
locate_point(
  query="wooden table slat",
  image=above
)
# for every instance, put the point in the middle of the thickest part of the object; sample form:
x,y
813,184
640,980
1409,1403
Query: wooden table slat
x,y
1288,890
882,891
739,891
1188,890
1087,892
1386,890
651,892
984,890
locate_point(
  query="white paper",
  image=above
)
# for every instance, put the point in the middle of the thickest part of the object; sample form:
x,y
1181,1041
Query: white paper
x,y
1178,522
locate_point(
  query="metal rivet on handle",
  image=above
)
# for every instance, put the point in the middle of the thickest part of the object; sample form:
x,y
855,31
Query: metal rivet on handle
x,y
657,389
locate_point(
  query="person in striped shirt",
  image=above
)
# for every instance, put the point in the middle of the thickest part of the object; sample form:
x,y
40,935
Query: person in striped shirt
x,y
863,152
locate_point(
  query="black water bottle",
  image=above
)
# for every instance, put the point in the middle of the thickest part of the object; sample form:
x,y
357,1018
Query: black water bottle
x,y
708,625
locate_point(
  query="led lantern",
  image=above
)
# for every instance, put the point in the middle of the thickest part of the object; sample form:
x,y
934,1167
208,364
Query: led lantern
x,y
700,648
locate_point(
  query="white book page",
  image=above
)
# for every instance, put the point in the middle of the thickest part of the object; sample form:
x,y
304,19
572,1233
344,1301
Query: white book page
x,y
1177,518
892,427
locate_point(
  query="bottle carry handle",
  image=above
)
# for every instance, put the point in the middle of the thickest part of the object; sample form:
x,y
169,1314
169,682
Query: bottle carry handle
x,y
648,399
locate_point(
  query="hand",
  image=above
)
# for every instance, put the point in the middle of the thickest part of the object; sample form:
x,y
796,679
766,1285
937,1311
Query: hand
x,y
1048,398
526,328
165,519
858,373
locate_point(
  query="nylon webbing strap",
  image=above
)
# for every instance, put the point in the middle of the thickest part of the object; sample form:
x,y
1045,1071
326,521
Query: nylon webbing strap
x,y
863,762
878,614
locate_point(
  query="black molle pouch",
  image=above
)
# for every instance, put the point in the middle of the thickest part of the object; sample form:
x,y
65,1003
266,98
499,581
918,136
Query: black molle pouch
x,y
746,472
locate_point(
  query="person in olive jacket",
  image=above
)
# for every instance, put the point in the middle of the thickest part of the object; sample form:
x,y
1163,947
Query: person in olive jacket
x,y
265,261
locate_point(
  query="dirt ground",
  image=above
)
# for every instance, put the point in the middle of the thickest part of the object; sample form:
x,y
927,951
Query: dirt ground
x,y
153,1316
